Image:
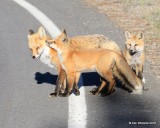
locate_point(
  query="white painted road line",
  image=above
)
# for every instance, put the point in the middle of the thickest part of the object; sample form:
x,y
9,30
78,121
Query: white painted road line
x,y
77,110
77,104
41,17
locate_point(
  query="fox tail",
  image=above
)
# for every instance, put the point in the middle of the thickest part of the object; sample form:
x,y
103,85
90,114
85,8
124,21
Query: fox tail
x,y
127,76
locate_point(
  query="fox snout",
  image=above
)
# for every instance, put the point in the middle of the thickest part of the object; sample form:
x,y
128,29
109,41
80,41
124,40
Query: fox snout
x,y
33,57
132,52
36,56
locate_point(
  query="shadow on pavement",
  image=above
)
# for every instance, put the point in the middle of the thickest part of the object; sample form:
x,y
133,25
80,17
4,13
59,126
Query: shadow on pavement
x,y
45,78
114,111
87,79
122,110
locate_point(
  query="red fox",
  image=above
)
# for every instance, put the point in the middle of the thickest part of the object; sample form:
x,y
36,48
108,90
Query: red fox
x,y
134,52
47,55
107,63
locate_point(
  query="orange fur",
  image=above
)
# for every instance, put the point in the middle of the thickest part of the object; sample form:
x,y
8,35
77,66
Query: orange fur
x,y
134,52
105,62
36,42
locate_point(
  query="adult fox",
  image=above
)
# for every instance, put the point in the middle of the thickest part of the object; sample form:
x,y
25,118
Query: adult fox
x,y
47,55
134,52
107,63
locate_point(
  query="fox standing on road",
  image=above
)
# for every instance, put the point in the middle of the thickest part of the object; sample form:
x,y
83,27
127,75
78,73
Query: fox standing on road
x,y
107,63
134,52
47,55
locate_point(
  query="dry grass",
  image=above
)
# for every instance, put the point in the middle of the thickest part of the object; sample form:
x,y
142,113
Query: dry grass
x,y
135,15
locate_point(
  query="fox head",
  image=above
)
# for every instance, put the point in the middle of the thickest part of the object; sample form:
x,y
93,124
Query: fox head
x,y
134,43
36,42
60,42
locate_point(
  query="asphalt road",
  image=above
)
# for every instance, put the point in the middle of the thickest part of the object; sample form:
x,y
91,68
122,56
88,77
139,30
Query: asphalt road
x,y
26,83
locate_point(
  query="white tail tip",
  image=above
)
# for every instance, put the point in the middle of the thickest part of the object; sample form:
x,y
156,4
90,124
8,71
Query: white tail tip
x,y
138,89
143,80
137,92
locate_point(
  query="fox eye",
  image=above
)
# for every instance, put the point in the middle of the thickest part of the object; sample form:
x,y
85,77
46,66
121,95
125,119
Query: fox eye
x,y
136,44
129,44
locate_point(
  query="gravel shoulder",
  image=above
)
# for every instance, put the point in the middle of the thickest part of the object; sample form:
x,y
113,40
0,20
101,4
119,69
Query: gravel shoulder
x,y
134,16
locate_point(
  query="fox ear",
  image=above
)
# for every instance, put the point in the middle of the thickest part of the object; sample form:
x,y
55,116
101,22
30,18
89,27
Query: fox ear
x,y
140,35
30,32
65,38
128,35
64,31
41,32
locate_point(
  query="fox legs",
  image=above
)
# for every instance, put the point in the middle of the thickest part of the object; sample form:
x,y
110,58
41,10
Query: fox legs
x,y
60,83
108,76
70,83
77,92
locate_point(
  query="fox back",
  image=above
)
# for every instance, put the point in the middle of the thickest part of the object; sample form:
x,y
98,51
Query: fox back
x,y
94,41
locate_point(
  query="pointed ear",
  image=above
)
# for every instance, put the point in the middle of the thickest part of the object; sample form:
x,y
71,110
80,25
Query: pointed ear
x,y
64,32
128,35
64,38
30,32
41,32
140,35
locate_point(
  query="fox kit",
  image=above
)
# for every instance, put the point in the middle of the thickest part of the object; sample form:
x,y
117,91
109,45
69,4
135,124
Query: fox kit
x,y
47,55
134,52
106,62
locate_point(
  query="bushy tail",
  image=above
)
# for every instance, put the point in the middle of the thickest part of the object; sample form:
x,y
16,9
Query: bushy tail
x,y
126,75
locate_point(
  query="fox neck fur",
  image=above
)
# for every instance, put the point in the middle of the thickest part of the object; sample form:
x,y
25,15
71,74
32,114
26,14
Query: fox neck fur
x,y
45,57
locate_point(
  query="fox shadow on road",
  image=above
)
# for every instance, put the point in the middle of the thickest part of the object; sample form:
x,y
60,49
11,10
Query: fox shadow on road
x,y
121,108
45,78
87,79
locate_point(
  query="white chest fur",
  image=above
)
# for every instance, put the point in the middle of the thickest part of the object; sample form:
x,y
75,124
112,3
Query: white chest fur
x,y
46,57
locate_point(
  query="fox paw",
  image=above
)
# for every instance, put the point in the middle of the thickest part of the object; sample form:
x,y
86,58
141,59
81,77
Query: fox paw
x,y
93,91
77,92
103,94
53,94
64,94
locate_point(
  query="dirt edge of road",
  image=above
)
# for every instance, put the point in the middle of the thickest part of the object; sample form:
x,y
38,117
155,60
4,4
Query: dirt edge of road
x,y
125,13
